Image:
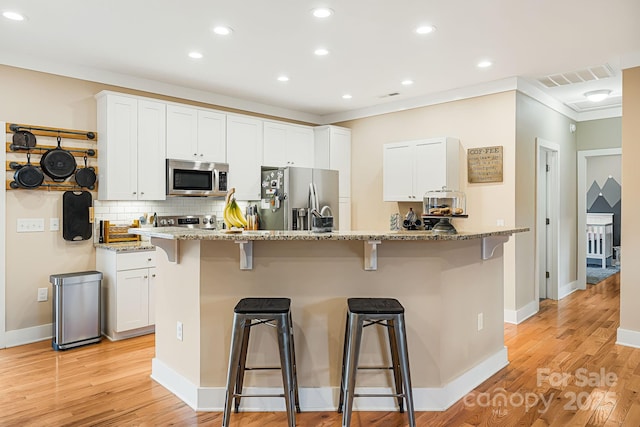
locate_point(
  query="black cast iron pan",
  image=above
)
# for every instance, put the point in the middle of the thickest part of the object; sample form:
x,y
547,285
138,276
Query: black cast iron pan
x,y
27,176
58,163
86,177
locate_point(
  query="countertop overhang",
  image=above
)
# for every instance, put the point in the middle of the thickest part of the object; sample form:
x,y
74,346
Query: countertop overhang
x,y
180,233
168,239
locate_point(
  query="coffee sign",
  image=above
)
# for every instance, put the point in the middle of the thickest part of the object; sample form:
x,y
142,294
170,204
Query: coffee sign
x,y
484,164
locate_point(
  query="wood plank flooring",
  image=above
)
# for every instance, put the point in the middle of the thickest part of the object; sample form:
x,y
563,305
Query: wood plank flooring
x,y
108,384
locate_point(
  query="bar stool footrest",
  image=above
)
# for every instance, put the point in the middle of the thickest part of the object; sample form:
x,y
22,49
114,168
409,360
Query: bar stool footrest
x,y
258,395
377,395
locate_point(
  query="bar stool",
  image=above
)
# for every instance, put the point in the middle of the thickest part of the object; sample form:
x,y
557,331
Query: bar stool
x,y
251,312
387,312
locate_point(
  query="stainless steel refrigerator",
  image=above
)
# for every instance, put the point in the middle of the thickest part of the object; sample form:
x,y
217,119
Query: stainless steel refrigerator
x,y
289,194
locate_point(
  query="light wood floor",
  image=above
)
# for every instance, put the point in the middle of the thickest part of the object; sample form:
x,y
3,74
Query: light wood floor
x,y
108,383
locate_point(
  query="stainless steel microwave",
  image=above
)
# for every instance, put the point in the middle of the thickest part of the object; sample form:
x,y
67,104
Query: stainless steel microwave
x,y
195,178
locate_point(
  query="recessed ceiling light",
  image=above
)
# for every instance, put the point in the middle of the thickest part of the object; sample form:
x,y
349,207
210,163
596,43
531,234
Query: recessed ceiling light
x,y
598,95
407,82
425,29
14,16
485,64
195,55
347,96
283,78
322,12
221,30
321,52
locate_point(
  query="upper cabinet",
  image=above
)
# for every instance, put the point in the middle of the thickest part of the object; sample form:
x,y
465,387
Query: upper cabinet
x,y
196,134
333,151
244,155
411,168
131,161
287,145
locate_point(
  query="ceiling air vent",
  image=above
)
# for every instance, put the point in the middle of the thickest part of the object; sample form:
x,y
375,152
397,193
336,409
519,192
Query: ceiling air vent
x,y
588,74
389,94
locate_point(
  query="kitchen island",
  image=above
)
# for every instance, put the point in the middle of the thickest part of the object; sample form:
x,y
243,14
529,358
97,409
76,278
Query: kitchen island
x,y
450,285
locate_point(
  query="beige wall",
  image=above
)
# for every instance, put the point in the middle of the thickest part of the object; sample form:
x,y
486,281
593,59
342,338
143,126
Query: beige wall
x,y
477,122
630,236
599,134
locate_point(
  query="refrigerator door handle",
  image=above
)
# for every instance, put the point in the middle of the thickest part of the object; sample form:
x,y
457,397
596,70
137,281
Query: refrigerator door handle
x,y
313,197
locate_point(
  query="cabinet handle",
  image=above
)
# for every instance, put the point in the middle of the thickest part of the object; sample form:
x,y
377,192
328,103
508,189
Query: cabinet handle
x,y
134,192
195,154
146,277
149,259
201,155
153,275
142,193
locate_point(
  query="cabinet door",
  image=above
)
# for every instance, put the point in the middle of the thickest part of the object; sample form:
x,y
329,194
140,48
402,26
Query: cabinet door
x,y
132,299
299,146
344,218
274,145
340,159
397,171
212,133
244,155
151,150
182,132
117,145
152,296
430,157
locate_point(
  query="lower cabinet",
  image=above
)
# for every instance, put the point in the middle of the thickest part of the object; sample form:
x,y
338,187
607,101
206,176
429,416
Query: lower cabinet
x,y
128,292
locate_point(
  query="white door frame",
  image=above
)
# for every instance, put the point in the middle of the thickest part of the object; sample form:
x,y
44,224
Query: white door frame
x,y
3,245
551,185
583,155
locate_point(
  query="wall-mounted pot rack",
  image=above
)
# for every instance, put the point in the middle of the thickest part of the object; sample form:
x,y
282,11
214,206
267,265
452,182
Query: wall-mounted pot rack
x,y
39,149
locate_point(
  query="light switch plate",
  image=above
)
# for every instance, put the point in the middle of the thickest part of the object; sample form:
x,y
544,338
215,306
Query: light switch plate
x,y
54,224
29,225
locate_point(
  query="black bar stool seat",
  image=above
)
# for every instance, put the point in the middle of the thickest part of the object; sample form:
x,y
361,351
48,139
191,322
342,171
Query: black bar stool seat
x,y
387,312
247,313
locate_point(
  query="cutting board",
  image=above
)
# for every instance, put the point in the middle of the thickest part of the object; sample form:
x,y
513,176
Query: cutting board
x,y
75,215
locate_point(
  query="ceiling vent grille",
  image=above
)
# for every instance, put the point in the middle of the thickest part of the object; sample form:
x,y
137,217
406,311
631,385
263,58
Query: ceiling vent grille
x,y
581,106
588,74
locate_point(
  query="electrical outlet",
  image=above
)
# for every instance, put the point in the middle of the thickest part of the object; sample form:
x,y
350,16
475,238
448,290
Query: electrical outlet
x,y
43,294
500,223
54,224
179,331
480,321
28,225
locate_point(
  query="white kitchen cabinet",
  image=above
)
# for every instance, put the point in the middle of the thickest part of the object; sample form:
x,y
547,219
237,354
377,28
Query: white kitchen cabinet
x,y
128,292
287,145
195,134
244,155
411,168
333,151
131,148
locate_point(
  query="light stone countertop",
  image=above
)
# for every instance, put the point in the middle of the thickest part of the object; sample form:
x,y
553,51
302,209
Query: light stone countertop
x,y
180,233
126,246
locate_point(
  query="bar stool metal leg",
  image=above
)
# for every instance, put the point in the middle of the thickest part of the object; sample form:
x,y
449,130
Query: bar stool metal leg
x,y
344,361
295,367
237,334
353,350
397,377
284,339
401,334
242,363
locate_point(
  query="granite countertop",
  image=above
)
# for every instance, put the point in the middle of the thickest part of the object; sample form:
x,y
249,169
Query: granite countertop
x,y
126,246
180,233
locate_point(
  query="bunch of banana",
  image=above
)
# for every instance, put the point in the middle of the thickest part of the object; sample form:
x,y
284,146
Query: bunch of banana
x,y
233,216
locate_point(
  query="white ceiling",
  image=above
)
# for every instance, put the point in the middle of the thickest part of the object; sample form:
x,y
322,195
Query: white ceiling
x,y
143,44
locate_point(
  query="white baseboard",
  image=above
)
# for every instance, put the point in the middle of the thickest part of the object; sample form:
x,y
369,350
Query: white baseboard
x,y
326,398
28,335
567,289
520,315
628,338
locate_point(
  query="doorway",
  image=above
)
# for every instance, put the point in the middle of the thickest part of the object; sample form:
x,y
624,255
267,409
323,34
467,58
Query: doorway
x,y
547,219
584,157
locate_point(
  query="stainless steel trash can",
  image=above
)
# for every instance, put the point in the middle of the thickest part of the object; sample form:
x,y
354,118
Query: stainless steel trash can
x,y
76,309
